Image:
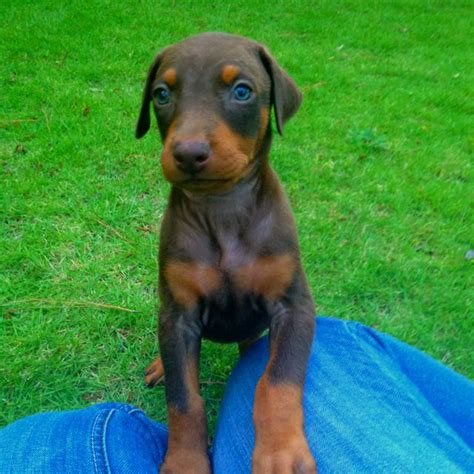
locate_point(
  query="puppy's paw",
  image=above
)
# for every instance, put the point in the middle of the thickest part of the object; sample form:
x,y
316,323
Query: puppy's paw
x,y
294,458
186,462
154,374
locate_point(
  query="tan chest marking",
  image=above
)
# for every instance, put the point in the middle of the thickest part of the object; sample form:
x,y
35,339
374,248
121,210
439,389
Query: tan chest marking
x,y
266,276
189,281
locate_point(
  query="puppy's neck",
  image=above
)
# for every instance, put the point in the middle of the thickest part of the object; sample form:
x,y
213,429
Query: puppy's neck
x,y
240,193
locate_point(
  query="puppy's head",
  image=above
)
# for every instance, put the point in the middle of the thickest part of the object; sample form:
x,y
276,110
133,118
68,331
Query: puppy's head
x,y
212,96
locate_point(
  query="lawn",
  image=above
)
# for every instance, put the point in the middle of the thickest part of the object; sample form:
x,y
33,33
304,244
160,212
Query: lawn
x,y
377,164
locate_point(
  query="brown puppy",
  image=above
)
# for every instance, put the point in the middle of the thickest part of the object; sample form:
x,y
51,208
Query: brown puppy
x,y
229,258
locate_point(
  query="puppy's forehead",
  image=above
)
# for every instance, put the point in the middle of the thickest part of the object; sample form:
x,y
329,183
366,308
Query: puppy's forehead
x,y
213,54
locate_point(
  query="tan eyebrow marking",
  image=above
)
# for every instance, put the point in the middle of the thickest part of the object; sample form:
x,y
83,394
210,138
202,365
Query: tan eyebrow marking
x,y
170,77
229,73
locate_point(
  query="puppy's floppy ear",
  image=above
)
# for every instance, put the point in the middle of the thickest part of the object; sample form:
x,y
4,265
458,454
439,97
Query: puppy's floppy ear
x,y
143,124
285,95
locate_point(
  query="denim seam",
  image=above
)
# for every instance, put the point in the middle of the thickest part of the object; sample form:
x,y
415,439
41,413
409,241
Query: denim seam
x,y
134,411
100,425
104,448
96,469
147,432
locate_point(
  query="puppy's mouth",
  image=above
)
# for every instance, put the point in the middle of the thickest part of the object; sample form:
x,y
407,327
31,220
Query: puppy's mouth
x,y
202,184
198,179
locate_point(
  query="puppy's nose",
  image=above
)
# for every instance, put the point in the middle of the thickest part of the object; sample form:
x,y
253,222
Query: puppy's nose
x,y
191,156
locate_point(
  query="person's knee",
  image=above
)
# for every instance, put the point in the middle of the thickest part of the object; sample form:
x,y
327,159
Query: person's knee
x,y
105,437
125,440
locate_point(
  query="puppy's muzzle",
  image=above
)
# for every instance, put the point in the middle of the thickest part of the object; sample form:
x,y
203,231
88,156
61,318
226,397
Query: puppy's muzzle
x,y
191,156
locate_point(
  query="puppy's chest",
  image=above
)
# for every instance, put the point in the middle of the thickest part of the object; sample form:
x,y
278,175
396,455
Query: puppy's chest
x,y
231,272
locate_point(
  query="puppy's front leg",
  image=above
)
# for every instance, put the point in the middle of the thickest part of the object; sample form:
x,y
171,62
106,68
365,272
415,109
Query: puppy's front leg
x,y
180,343
281,446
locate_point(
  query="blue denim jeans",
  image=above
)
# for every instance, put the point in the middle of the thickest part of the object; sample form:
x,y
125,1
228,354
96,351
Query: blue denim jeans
x,y
371,404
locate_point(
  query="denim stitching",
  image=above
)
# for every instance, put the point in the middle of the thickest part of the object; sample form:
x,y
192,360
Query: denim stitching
x,y
104,431
95,429
128,409
96,469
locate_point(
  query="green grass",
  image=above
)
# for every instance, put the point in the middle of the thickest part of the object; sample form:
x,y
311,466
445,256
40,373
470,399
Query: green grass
x,y
377,164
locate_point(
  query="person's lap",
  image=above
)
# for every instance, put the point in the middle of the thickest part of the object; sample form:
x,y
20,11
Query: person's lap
x,y
372,404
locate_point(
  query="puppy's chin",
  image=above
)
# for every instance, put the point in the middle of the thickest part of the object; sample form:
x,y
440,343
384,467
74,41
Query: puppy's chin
x,y
208,181
199,185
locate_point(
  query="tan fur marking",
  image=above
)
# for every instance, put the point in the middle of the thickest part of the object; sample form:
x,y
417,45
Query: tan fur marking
x,y
267,276
187,435
263,127
230,159
154,373
187,439
192,375
170,77
263,121
170,172
280,443
278,403
189,281
232,153
229,73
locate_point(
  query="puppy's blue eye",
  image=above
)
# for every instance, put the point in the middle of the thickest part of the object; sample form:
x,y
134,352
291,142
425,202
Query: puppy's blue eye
x,y
162,95
241,92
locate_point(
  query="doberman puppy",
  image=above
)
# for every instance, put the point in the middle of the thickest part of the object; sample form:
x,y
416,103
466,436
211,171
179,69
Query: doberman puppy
x,y
229,257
